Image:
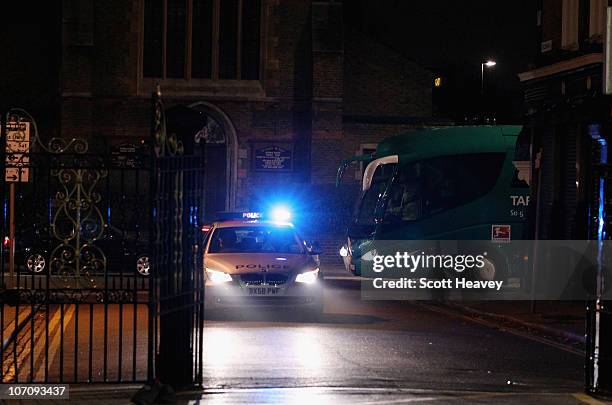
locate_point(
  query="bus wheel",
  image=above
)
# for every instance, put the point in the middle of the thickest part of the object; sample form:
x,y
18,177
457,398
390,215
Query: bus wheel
x,y
494,269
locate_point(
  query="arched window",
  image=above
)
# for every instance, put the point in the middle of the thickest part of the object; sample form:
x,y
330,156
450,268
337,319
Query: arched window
x,y
221,155
202,39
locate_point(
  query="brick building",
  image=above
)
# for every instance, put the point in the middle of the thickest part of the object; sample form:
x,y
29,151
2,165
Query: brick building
x,y
567,116
289,77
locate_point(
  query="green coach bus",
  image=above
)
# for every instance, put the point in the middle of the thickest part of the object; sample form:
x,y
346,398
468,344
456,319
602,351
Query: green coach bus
x,y
453,183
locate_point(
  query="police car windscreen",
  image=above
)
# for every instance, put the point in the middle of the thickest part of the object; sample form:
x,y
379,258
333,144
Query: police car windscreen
x,y
255,239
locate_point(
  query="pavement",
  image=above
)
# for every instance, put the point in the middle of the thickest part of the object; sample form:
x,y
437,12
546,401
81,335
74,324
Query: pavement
x,y
382,352
562,320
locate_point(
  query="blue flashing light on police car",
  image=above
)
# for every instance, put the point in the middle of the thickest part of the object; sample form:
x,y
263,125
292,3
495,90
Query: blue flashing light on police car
x,y
280,213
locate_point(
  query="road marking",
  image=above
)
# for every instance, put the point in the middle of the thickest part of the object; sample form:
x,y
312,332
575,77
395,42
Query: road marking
x,y
25,339
53,340
21,340
581,396
54,344
496,326
39,361
7,332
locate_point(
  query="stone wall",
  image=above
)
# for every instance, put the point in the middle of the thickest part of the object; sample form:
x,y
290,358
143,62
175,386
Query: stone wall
x,y
323,88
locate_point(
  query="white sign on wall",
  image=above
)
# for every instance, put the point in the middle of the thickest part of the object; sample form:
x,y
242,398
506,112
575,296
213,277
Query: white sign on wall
x,y
17,147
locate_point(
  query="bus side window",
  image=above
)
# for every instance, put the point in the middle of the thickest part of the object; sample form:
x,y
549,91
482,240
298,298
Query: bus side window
x,y
452,181
366,206
404,202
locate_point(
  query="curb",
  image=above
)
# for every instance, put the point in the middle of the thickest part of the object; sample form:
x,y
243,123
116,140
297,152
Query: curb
x,y
347,280
575,338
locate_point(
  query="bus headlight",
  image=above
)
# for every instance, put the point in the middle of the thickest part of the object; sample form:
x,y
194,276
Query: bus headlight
x,y
217,276
344,251
308,277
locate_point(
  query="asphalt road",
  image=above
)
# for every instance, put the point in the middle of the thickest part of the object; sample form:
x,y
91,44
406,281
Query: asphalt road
x,y
379,353
359,353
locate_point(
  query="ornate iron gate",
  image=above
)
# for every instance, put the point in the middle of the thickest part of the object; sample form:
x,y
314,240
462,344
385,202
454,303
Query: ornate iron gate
x,y
100,258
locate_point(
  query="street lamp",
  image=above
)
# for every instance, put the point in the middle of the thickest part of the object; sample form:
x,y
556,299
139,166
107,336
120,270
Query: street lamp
x,y
489,64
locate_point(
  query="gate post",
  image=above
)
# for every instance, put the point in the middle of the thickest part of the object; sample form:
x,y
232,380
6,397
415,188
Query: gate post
x,y
174,287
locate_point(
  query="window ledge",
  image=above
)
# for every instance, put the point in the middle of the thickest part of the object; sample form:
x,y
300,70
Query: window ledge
x,y
203,87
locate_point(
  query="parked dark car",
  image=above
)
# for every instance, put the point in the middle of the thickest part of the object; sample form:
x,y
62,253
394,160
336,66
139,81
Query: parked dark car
x,y
125,251
116,252
31,249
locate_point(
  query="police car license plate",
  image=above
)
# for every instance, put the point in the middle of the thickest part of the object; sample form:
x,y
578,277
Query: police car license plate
x,y
264,290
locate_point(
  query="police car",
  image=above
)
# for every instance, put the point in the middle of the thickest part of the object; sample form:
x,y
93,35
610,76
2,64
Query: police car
x,y
253,262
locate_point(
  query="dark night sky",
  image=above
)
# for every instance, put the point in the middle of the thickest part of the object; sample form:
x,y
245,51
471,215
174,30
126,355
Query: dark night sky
x,y
453,37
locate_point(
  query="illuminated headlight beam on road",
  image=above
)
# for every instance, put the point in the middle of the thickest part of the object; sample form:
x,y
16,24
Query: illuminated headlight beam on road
x,y
221,346
307,349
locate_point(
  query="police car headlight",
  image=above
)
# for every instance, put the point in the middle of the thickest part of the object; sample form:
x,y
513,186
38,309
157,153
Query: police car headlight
x,y
308,277
217,276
